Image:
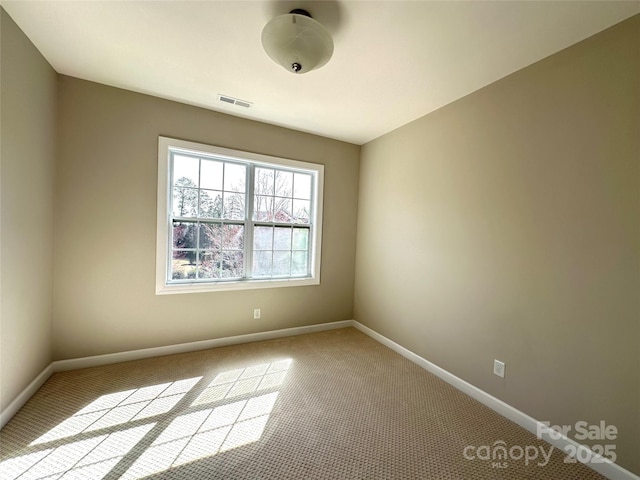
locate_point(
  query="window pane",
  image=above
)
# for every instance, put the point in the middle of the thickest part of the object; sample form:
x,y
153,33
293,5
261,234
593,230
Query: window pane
x,y
232,264
183,265
302,186
233,237
211,175
185,171
282,238
284,184
210,236
209,266
281,263
283,211
234,206
264,181
234,177
263,208
262,263
184,235
300,238
301,211
210,204
299,263
185,202
263,238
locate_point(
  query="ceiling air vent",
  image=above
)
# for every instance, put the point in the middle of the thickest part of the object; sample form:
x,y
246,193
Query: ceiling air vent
x,y
234,101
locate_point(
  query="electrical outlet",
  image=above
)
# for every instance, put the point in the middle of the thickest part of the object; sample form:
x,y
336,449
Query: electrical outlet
x,y
256,313
498,368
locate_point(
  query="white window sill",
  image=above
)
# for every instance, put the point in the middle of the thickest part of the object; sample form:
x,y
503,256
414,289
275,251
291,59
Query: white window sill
x,y
176,288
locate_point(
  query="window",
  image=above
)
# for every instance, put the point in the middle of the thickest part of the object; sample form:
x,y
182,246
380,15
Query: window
x,y
234,220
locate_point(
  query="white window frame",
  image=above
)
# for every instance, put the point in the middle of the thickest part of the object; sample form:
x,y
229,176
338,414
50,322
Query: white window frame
x,y
164,230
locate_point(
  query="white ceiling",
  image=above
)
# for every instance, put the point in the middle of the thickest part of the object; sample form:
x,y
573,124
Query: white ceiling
x,y
394,61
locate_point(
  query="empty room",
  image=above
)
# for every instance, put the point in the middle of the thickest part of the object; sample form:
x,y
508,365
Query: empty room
x,y
333,239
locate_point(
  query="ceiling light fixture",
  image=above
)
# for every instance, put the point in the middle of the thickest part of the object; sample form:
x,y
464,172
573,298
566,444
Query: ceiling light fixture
x,y
297,42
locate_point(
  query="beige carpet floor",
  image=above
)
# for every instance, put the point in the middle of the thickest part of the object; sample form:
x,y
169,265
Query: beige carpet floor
x,y
328,405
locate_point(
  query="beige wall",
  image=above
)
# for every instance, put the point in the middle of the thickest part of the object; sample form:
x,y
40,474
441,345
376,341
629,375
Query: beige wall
x,y
105,229
507,225
28,96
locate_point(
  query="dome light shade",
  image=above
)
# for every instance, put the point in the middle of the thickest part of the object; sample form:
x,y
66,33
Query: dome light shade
x,y
297,42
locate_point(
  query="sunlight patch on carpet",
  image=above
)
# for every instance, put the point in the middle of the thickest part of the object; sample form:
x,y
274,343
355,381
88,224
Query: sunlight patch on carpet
x,y
121,407
91,458
95,440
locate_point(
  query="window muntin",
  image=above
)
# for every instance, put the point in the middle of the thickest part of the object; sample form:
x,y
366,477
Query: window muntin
x,y
236,220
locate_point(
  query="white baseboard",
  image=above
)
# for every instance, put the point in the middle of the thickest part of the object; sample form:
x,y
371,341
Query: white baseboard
x,y
610,470
25,395
98,360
